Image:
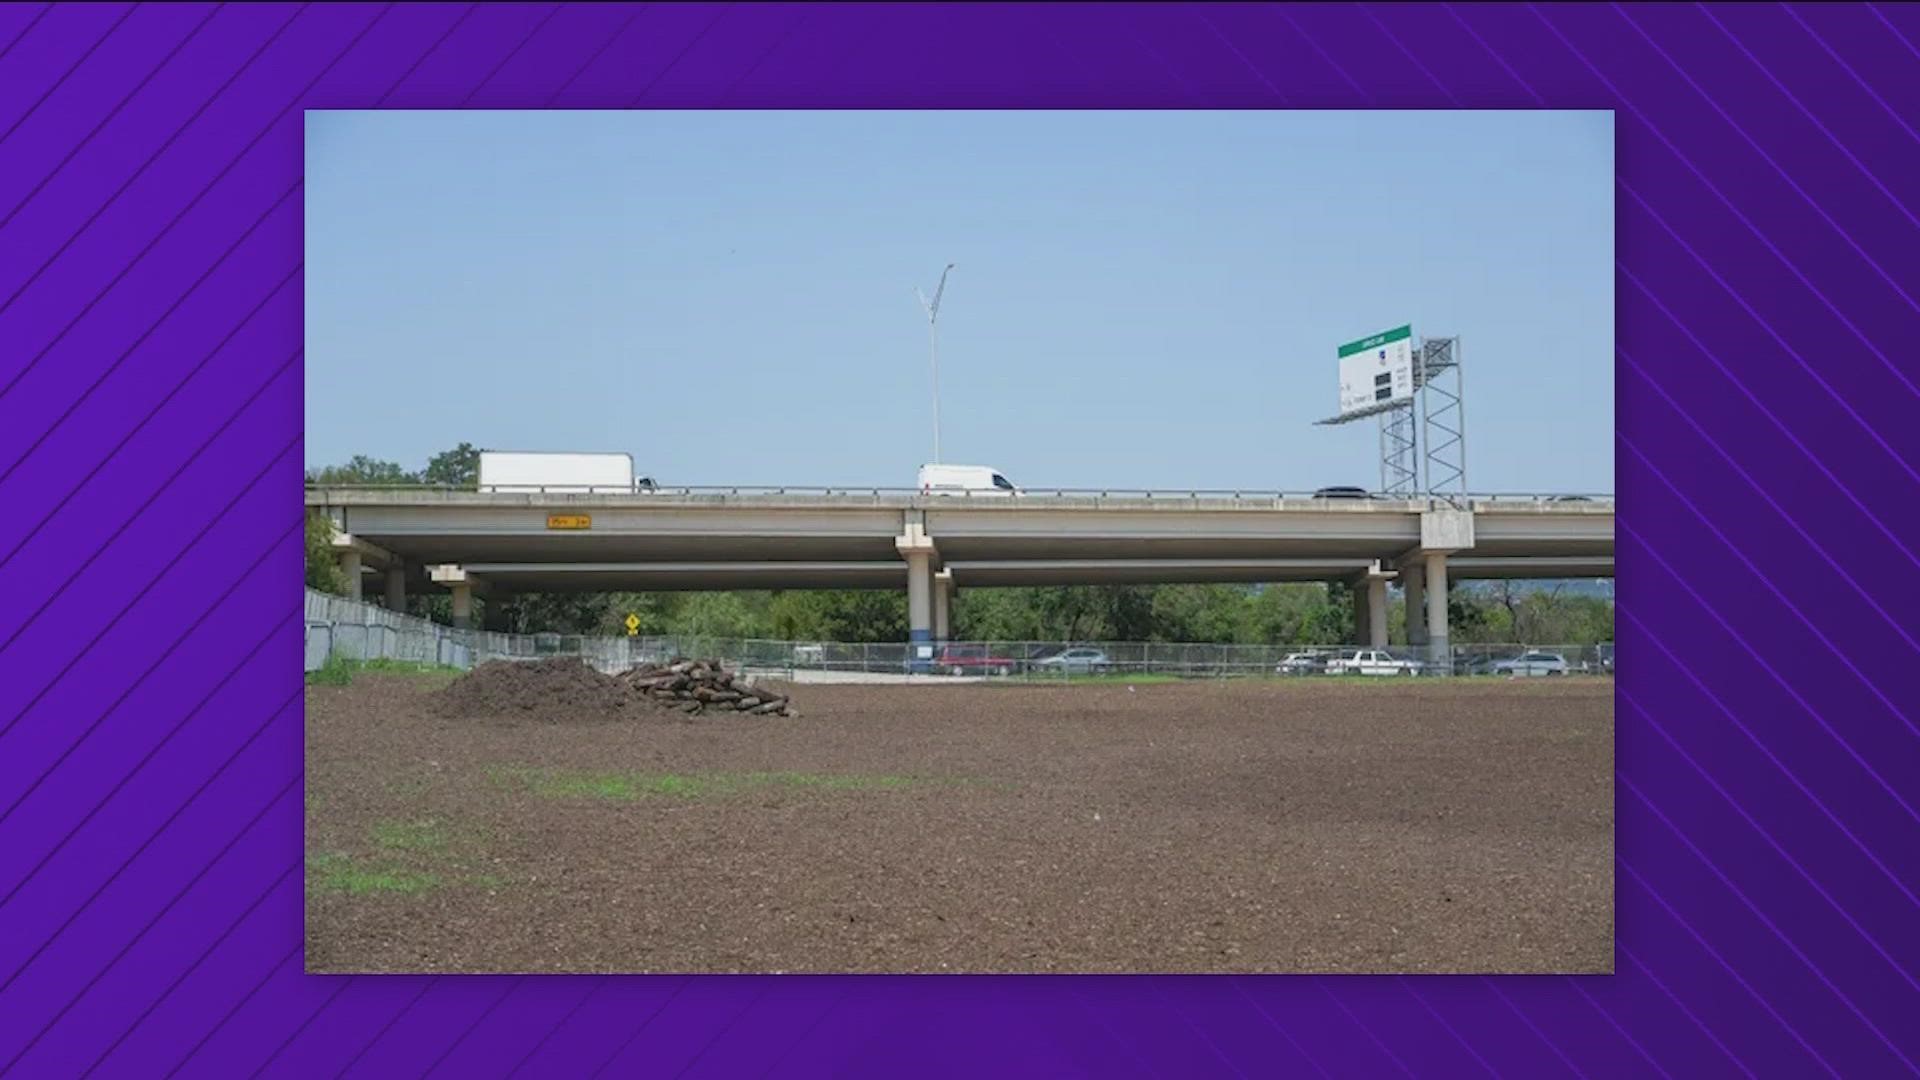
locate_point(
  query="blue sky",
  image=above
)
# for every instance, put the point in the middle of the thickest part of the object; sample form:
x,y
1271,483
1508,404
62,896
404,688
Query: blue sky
x,y
1142,299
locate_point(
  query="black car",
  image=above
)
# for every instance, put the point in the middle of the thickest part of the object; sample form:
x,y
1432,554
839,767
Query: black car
x,y
1342,493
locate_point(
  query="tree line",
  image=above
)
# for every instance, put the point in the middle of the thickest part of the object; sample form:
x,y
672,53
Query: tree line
x,y
1279,614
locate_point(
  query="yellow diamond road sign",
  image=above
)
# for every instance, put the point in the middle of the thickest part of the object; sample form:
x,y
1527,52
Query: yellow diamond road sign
x,y
633,624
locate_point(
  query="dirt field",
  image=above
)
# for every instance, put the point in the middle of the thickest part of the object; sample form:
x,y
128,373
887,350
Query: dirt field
x,y
1309,825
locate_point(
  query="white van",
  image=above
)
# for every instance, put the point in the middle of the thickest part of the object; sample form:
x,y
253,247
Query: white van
x,y
964,480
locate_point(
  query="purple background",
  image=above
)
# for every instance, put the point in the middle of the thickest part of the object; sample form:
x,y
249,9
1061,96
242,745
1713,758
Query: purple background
x,y
150,418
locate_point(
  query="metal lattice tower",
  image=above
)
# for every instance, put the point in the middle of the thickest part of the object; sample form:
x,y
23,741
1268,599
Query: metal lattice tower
x,y
1423,438
1440,393
1399,453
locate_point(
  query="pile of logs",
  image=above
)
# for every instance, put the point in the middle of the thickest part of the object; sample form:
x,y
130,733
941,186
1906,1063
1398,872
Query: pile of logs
x,y
696,686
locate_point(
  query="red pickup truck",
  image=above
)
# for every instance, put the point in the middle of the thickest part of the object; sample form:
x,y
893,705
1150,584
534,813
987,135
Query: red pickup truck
x,y
973,660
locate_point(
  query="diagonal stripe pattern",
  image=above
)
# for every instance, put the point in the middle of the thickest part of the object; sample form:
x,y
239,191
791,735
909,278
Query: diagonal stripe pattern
x,y
1769,762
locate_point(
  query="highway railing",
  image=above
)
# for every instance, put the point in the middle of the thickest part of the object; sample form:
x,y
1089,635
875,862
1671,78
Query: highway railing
x,y
1571,499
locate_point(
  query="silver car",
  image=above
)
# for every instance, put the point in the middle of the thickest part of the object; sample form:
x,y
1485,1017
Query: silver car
x,y
1302,663
1074,662
1532,663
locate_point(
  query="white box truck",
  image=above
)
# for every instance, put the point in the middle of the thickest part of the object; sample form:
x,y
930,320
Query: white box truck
x,y
555,471
964,480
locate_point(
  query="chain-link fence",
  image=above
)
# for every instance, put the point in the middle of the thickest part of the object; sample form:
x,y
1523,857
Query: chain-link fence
x,y
352,630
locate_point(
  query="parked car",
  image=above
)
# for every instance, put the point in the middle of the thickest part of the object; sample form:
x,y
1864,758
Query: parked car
x,y
1532,663
1079,661
1475,665
1342,493
1301,663
972,660
1371,662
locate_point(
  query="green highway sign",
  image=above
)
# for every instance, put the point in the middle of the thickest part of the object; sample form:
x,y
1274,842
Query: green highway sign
x,y
1400,333
1376,372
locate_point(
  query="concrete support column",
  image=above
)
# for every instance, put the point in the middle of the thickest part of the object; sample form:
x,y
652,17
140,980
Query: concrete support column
x,y
462,585
350,569
396,587
1441,532
1377,611
916,547
919,603
1437,647
1414,580
942,605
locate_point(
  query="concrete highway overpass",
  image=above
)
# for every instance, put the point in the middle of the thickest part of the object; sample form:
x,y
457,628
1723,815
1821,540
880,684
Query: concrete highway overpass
x,y
467,542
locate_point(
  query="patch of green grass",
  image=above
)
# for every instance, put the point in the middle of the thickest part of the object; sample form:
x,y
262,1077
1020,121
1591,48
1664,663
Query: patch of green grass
x,y
1142,679
339,671
831,782
555,783
343,873
410,835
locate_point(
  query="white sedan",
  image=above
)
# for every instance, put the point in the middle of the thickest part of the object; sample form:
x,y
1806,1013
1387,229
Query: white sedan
x,y
1371,662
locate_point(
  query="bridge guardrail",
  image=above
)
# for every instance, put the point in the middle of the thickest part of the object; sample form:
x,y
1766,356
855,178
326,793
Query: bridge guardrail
x,y
836,491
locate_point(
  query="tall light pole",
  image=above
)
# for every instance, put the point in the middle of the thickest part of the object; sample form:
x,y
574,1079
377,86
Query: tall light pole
x,y
932,308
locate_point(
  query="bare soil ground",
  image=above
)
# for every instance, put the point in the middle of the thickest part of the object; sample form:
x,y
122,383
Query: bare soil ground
x,y
1276,826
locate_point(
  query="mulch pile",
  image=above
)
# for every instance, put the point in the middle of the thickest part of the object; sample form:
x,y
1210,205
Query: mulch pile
x,y
697,686
567,688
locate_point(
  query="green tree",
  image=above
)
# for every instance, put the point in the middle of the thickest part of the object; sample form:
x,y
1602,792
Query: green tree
x,y
862,615
1007,614
1219,613
723,614
557,613
362,469
1301,613
323,570
455,468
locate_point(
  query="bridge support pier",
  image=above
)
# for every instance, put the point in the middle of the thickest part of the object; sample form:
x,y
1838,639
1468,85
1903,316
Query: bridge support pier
x,y
1377,611
1370,607
1442,532
916,547
396,587
350,569
462,607
942,605
1439,654
462,585
1413,582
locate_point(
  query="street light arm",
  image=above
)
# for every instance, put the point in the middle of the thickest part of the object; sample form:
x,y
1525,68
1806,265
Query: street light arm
x,y
933,309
